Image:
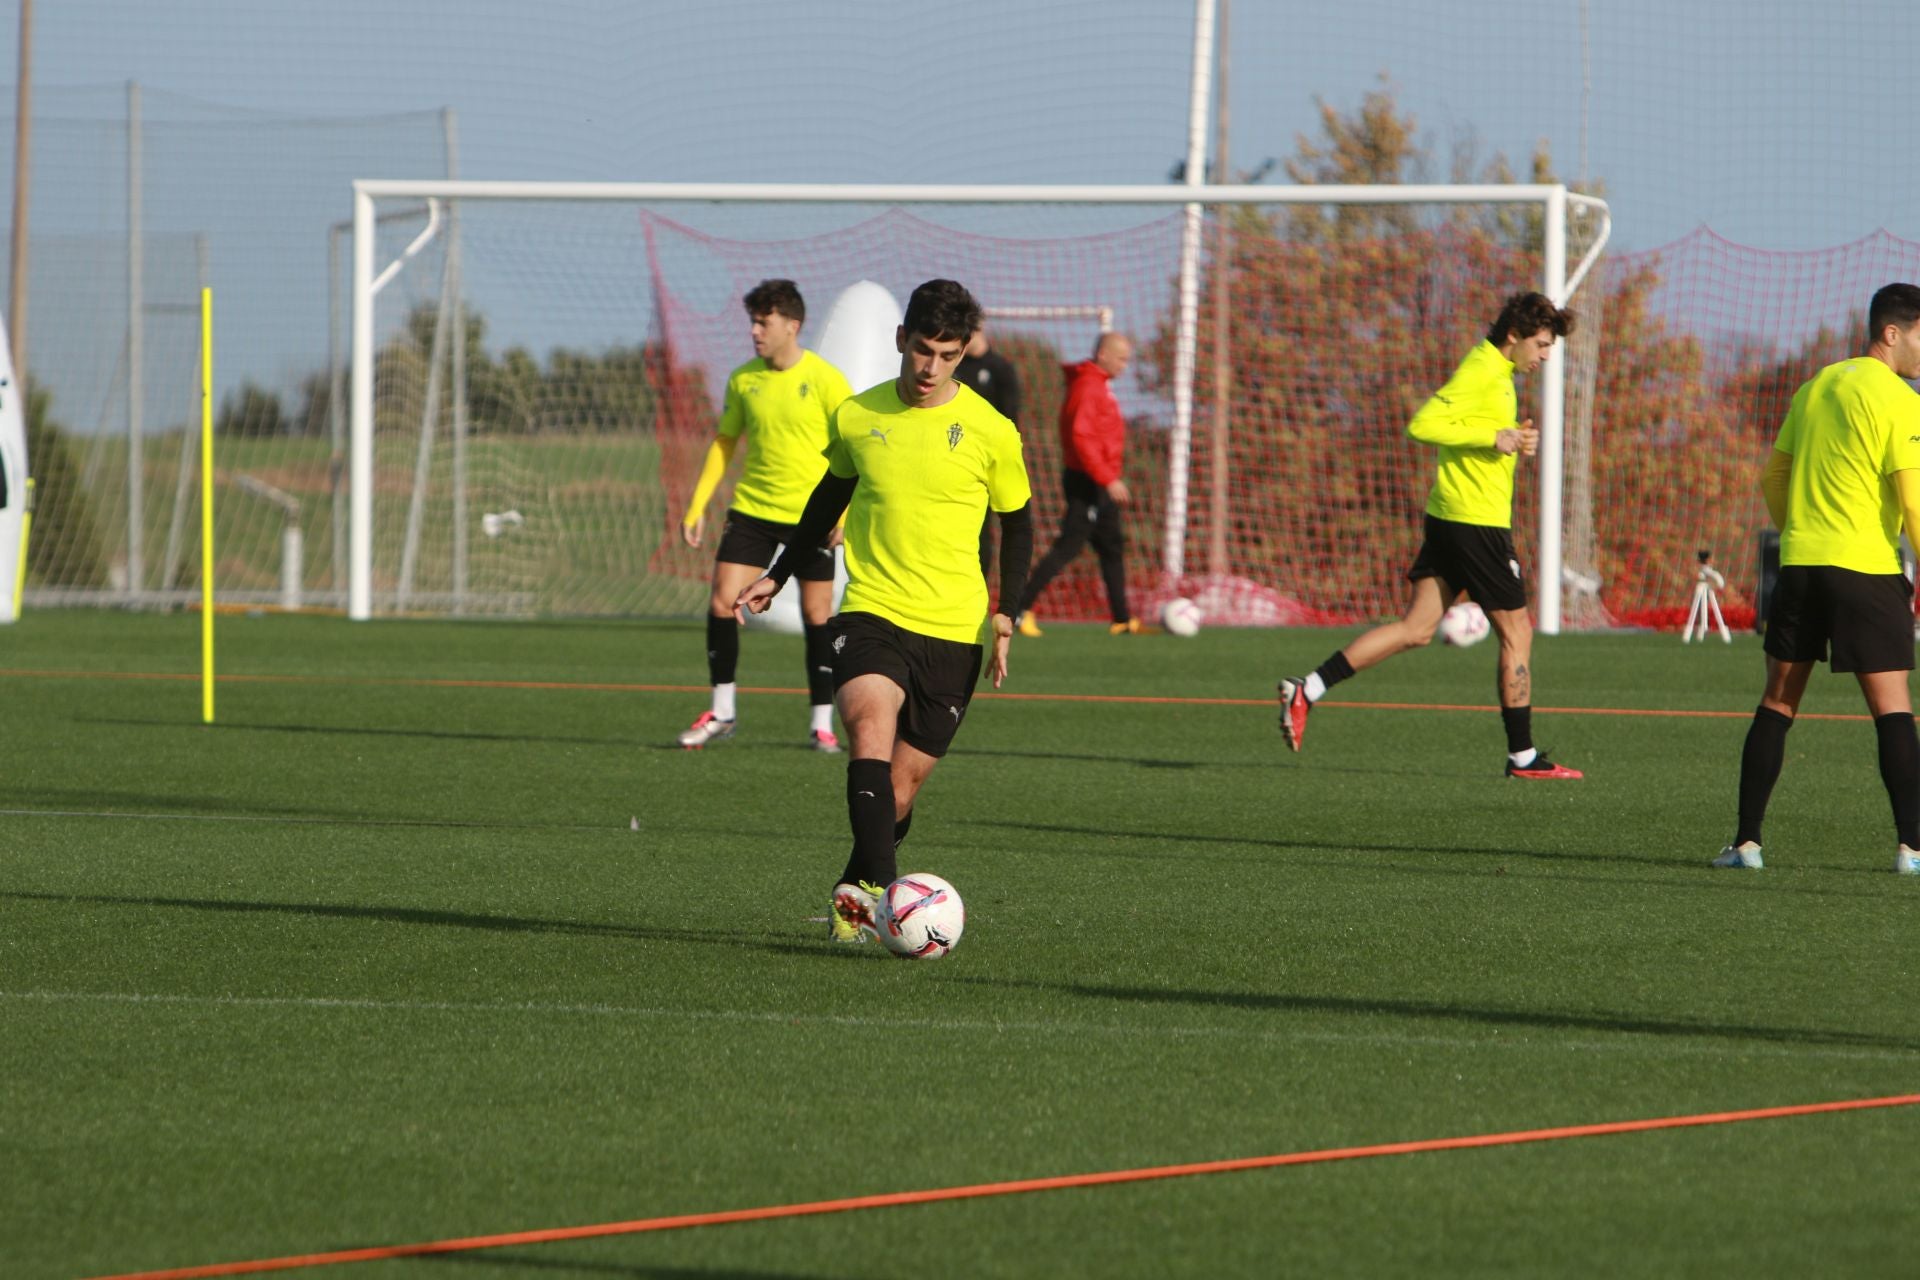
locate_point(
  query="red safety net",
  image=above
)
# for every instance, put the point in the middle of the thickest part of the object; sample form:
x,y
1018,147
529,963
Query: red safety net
x,y
1320,332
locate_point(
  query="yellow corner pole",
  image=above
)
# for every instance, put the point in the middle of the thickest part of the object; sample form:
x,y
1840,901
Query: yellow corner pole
x,y
26,532
206,506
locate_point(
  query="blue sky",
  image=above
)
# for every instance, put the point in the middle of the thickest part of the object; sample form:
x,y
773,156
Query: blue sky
x,y
1755,116
1783,125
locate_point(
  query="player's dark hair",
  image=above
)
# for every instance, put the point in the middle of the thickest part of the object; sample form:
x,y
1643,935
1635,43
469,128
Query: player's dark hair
x,y
776,297
942,310
1894,304
1526,314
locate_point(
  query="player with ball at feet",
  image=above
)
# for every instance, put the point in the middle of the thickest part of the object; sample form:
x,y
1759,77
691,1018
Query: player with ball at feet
x,y
1469,540
914,463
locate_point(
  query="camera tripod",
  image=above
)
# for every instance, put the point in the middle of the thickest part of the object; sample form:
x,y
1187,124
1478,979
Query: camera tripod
x,y
1705,610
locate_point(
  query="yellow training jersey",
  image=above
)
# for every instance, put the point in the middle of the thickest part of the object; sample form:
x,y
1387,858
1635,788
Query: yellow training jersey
x,y
1849,429
1474,483
927,477
784,415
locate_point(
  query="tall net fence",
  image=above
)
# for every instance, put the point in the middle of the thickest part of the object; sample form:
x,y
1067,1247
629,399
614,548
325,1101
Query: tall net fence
x,y
547,377
1327,330
161,195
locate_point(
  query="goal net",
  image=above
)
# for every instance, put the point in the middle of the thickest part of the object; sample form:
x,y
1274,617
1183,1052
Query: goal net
x,y
545,372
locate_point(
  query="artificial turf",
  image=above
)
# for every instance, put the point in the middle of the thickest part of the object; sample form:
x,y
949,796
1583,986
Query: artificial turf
x,y
435,934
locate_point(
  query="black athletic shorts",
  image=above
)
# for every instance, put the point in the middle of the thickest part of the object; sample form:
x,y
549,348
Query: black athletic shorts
x,y
1476,558
1868,617
937,675
746,539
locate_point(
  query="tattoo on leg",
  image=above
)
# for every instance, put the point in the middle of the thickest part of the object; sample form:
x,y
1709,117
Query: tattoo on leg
x,y
1520,686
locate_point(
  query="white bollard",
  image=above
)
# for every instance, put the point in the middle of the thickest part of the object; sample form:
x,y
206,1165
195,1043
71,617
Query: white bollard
x,y
292,552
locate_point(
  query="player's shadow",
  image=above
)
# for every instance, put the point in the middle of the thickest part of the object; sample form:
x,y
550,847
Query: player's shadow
x,y
1536,1019
1261,765
443,919
1706,881
97,802
1180,840
115,805
361,731
1144,762
732,746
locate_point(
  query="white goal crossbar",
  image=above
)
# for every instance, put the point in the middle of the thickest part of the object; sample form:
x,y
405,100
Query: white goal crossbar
x,y
1556,282
1087,311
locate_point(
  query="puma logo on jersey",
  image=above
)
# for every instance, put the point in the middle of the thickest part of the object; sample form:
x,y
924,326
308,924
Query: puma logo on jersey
x,y
874,433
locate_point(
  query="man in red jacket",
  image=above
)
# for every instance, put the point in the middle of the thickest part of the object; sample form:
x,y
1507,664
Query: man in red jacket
x,y
1092,435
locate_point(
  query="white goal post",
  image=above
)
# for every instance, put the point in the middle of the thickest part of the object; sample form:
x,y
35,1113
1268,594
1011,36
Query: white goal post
x,y
1557,282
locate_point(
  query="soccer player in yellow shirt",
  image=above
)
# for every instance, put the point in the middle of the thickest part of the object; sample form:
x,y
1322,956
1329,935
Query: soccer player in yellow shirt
x,y
1844,475
1468,549
779,402
914,463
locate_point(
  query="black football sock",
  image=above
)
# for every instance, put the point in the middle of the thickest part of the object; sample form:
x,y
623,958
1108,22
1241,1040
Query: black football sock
x,y
1334,670
723,649
819,664
870,813
1900,771
1760,761
905,825
1519,723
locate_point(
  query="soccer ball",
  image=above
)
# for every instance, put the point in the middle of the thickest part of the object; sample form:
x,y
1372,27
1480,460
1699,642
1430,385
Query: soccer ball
x,y
1180,617
1464,624
920,917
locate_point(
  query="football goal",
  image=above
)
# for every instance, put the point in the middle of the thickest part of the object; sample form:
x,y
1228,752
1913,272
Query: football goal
x,y
535,372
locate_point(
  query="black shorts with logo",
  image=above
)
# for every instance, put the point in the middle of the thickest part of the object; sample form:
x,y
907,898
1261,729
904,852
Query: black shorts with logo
x,y
750,540
1476,558
1868,618
937,675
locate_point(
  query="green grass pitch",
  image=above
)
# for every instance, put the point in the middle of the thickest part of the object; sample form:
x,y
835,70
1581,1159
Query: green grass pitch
x,y
377,960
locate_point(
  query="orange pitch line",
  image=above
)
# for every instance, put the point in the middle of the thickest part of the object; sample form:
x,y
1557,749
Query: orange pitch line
x,y
985,1189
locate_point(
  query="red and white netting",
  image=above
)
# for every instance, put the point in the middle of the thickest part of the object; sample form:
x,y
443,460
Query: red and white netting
x,y
1320,333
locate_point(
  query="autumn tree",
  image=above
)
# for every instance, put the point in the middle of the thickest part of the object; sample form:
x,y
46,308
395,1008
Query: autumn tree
x,y
1346,318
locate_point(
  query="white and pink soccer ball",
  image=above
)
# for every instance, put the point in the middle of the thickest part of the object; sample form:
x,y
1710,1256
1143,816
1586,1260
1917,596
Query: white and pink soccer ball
x,y
920,917
1180,617
1464,624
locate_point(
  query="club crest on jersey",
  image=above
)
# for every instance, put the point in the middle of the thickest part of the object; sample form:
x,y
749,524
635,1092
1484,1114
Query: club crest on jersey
x,y
954,436
803,391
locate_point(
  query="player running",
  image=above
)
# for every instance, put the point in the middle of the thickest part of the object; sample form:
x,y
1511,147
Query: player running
x,y
914,464
780,401
1844,475
1469,540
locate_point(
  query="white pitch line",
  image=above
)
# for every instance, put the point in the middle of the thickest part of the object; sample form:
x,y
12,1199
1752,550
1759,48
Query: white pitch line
x,y
1645,1043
